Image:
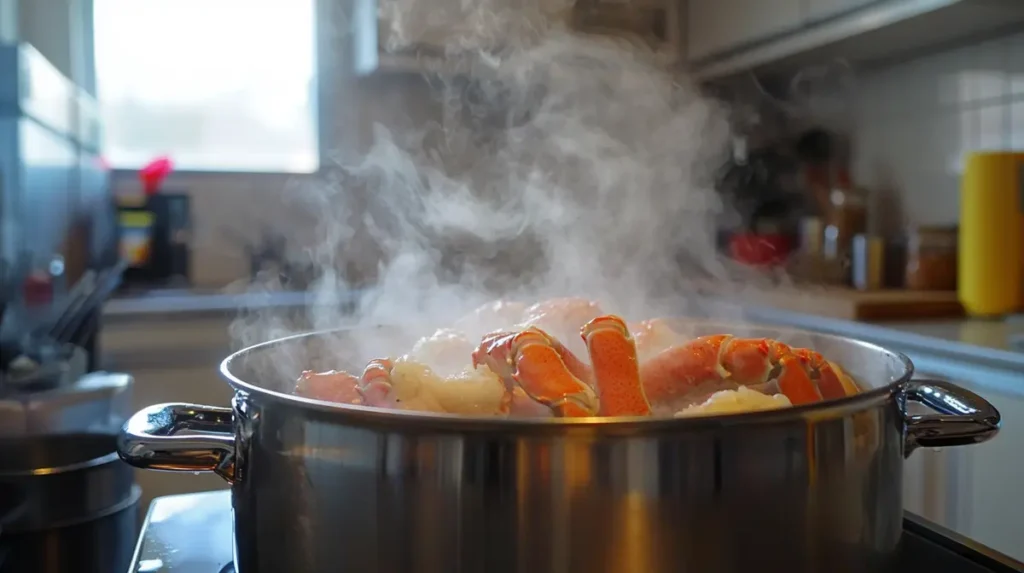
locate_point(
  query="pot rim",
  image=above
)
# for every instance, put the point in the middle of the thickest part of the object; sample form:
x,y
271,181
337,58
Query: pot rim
x,y
357,413
85,464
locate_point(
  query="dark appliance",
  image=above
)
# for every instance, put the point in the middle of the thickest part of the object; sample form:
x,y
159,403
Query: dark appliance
x,y
155,232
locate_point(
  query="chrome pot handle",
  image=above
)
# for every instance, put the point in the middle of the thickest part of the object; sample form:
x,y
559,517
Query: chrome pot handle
x,y
151,439
963,417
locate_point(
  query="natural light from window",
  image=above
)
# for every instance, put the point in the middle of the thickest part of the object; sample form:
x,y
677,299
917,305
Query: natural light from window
x,y
217,85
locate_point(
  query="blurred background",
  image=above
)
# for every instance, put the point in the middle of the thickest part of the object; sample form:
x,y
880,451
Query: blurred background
x,y
150,151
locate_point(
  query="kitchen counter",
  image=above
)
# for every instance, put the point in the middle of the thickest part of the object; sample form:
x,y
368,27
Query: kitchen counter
x,y
962,345
185,303
986,343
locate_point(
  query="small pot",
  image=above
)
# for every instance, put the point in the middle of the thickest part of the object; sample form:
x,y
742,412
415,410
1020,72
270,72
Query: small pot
x,y
316,485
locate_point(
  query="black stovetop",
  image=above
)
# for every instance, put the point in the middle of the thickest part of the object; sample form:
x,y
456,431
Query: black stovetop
x,y
192,534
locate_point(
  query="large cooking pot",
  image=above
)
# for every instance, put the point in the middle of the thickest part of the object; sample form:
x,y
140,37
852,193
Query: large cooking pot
x,y
320,487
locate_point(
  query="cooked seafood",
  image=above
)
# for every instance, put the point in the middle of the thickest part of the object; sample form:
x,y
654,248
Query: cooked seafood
x,y
742,399
524,366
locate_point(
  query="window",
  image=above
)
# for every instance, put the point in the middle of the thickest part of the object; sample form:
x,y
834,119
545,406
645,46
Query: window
x,y
218,85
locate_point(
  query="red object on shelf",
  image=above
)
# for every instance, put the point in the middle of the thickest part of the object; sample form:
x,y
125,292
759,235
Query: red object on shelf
x,y
37,289
760,250
153,175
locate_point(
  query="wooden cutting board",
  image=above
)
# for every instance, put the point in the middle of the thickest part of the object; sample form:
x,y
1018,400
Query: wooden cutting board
x,y
850,304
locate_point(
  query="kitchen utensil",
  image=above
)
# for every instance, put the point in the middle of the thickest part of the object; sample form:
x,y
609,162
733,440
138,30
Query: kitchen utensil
x,y
315,485
81,504
990,277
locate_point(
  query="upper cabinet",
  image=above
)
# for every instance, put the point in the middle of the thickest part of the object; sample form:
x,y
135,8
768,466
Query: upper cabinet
x,y
725,37
818,10
715,26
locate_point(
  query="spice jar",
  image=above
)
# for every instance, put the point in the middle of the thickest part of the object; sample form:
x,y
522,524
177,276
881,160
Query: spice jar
x,y
931,258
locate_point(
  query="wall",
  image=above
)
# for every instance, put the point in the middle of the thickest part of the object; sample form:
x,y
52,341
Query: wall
x,y
8,21
916,120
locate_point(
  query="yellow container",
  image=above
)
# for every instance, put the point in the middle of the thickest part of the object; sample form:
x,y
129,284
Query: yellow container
x,y
990,267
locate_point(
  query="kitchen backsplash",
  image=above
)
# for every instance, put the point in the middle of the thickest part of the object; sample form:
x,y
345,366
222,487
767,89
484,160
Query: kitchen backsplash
x,y
918,118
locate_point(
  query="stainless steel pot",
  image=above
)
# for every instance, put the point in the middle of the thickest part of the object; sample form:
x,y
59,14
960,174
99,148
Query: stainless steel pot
x,y
319,487
77,505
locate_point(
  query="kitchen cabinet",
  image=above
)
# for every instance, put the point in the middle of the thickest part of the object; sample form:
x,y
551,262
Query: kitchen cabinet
x,y
730,37
716,26
824,9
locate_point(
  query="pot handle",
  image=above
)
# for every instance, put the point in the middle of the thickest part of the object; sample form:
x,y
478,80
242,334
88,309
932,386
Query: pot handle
x,y
963,417
151,439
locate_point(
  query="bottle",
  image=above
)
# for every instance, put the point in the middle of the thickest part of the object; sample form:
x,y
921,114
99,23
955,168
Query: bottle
x,y
989,268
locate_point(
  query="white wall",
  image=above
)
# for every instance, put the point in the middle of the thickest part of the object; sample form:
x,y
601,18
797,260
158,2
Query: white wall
x,y
8,21
917,119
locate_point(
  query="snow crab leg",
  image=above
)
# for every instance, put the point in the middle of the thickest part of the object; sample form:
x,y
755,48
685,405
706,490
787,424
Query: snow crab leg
x,y
371,388
542,367
551,375
803,375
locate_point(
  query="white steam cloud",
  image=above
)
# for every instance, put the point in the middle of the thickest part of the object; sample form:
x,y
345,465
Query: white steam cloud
x,y
566,165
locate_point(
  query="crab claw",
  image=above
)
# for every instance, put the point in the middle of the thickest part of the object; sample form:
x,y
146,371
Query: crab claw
x,y
497,351
375,383
832,381
794,381
542,368
615,367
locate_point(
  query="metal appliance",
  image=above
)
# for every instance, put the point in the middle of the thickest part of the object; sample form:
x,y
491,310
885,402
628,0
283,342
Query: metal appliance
x,y
55,194
96,403
79,507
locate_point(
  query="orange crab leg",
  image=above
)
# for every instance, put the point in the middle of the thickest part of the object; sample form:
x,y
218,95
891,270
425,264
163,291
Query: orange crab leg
x,y
616,372
497,351
748,360
675,371
832,381
375,384
333,386
541,372
795,383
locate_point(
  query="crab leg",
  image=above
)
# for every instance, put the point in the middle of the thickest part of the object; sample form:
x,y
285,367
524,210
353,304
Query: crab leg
x,y
615,369
795,383
542,368
375,383
332,386
832,381
675,371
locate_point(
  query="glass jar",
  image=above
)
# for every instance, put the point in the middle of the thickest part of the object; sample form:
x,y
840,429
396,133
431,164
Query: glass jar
x,y
931,258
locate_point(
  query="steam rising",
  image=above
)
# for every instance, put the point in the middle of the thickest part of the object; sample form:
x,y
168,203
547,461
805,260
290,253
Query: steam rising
x,y
565,165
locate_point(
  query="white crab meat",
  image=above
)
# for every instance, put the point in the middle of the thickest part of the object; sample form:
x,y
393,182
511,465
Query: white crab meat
x,y
472,391
736,401
447,352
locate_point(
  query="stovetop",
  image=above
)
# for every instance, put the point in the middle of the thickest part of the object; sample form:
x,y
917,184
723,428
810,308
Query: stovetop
x,y
192,533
